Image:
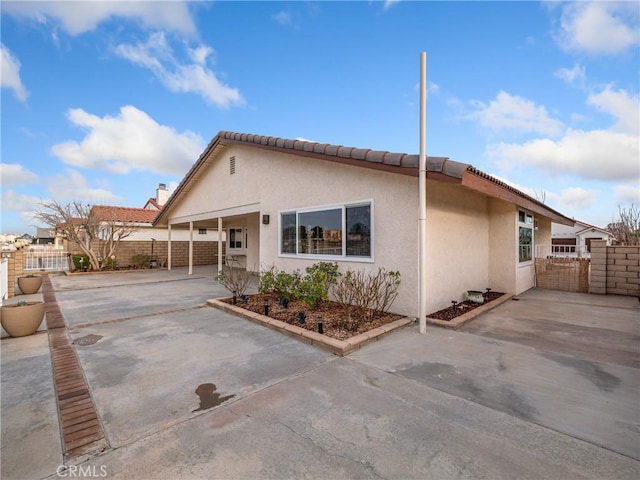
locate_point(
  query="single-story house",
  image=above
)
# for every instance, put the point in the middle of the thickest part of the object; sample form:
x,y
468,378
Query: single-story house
x,y
291,203
576,240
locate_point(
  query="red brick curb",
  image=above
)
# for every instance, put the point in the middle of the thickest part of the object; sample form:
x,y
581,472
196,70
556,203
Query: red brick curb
x,y
81,430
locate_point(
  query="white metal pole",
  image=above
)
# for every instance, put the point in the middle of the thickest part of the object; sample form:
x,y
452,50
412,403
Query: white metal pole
x,y
190,248
169,246
422,181
220,258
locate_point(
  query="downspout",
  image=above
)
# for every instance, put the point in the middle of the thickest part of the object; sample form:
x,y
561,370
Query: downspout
x,y
422,181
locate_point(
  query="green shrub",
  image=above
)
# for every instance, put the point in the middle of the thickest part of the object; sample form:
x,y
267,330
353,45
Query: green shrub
x,y
287,284
313,288
110,263
267,282
85,264
140,260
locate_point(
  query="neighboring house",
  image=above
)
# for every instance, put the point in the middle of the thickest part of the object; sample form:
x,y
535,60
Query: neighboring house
x,y
576,240
162,195
291,203
153,241
45,236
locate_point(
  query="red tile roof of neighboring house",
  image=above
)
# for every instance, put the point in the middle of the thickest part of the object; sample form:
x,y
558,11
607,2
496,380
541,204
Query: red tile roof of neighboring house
x,y
154,203
438,168
108,213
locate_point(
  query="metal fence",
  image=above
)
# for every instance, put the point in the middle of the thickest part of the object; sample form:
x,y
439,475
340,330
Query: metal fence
x,y
47,260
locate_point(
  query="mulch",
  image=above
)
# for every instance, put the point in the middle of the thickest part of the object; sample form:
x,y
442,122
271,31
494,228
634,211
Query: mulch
x,y
335,319
448,314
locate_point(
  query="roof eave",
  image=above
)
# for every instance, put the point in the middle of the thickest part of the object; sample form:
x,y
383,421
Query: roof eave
x,y
492,187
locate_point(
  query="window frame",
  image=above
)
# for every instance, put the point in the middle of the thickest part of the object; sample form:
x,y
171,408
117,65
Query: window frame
x,y
319,208
528,223
244,238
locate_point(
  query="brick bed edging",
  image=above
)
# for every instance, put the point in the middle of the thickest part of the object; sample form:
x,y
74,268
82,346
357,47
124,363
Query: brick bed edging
x,y
80,428
338,347
462,319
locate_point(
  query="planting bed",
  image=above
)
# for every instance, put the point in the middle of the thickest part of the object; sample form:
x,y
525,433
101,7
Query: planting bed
x,y
335,321
454,311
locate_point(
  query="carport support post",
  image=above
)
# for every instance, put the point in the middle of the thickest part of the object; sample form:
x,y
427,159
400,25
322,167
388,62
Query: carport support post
x,y
422,180
190,248
169,246
219,244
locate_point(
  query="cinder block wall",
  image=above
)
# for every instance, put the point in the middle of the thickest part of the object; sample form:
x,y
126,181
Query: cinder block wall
x,y
614,269
204,253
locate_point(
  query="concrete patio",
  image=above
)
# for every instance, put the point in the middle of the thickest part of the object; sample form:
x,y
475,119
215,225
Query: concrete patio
x,y
485,402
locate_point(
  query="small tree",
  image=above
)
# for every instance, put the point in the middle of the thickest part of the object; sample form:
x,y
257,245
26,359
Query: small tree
x,y
626,228
78,223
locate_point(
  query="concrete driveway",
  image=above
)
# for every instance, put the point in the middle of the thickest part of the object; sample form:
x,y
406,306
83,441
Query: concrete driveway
x,y
444,405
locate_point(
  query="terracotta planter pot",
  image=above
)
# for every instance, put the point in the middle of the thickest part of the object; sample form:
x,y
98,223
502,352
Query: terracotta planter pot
x,y
30,285
20,321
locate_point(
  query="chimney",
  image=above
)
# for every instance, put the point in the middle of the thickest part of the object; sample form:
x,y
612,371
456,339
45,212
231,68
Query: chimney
x,y
162,194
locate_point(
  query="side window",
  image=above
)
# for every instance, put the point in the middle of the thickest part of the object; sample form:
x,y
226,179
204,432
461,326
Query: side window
x,y
236,239
525,237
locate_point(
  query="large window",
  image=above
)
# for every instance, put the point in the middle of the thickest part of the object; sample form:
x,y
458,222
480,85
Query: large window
x,y
525,237
339,231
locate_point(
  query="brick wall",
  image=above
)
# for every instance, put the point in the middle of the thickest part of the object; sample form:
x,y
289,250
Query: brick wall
x,y
614,270
204,253
15,270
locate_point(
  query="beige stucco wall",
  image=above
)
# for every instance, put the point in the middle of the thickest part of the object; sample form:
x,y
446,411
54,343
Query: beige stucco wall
x,y
457,243
471,239
502,245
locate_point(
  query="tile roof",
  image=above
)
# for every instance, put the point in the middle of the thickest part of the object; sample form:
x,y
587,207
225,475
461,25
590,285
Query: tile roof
x,y
152,203
124,214
438,168
402,160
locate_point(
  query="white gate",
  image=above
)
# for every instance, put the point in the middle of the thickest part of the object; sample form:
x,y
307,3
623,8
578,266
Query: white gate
x,y
48,260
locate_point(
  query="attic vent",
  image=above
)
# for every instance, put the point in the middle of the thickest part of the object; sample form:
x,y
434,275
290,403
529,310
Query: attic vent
x,y
232,165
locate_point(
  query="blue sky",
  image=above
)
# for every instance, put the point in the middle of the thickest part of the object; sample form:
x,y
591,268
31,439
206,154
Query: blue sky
x,y
101,101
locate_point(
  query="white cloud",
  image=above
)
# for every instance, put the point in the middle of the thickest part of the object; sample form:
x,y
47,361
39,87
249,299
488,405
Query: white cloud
x,y
626,194
199,54
574,76
596,154
24,205
79,17
283,18
129,141
10,74
620,105
15,174
511,112
599,27
19,202
390,3
573,198
73,186
157,56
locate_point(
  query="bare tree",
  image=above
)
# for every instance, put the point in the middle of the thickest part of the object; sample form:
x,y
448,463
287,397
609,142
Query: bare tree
x,y
97,236
626,228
